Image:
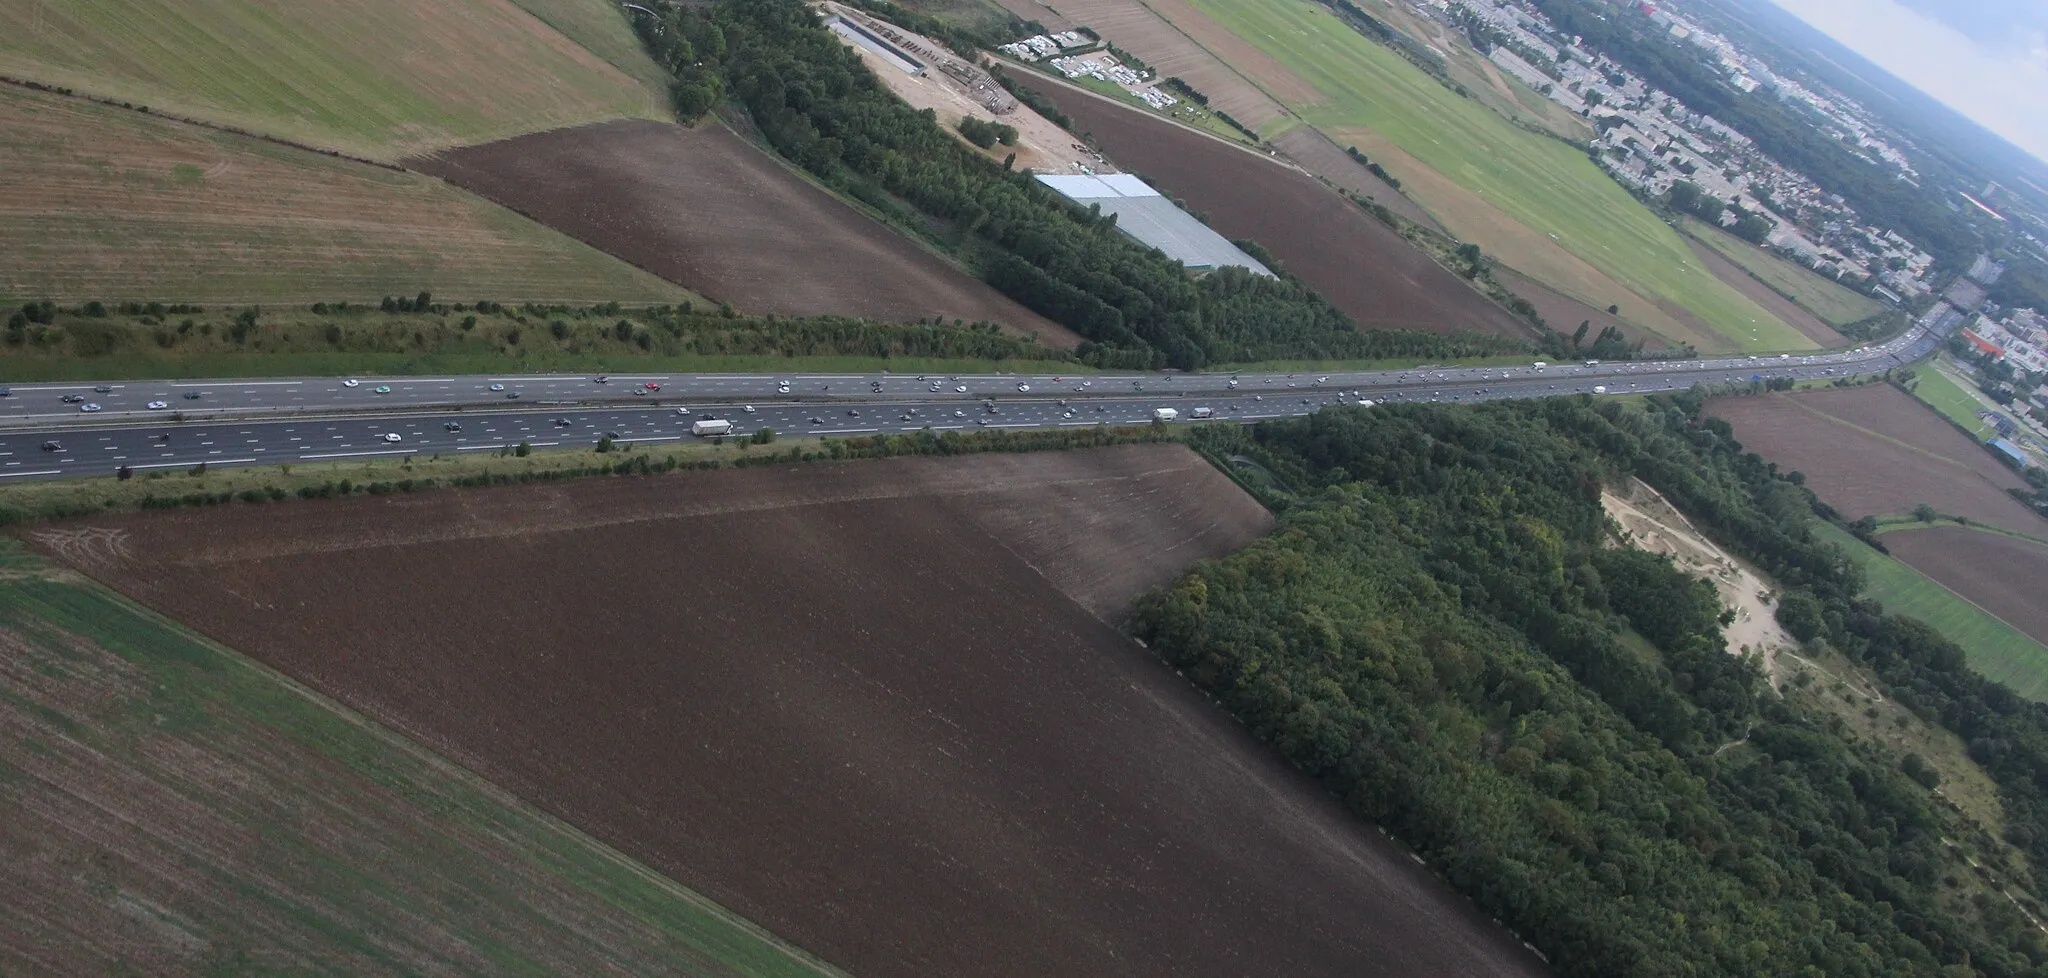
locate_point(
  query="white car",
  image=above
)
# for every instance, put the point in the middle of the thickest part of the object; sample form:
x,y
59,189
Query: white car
x,y
158,405
393,437
961,389
351,382
88,408
1023,388
749,409
497,387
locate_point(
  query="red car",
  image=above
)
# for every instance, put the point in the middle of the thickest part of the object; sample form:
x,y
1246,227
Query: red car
x,y
651,385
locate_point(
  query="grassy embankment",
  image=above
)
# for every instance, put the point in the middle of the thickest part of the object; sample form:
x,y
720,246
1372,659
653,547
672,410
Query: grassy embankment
x,y
372,834
1536,204
1995,649
1938,390
1834,304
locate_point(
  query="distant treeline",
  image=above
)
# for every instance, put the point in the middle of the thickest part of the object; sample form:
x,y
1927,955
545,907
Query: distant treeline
x,y
1440,632
419,324
816,103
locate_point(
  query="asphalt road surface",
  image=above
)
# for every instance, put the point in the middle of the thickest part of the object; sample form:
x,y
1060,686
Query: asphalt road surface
x,y
271,422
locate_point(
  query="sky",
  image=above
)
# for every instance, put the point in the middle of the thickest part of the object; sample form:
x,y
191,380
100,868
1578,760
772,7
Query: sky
x,y
1987,59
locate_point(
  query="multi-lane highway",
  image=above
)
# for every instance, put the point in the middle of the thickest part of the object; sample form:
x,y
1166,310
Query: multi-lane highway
x,y
147,425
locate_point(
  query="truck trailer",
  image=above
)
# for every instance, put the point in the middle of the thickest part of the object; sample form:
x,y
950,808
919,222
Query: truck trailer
x,y
1165,414
705,429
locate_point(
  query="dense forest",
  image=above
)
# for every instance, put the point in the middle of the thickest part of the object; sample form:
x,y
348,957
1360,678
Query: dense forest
x,y
1440,633
814,101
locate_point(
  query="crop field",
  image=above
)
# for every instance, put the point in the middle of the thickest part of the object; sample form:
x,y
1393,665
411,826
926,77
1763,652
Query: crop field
x,y
1318,154
1787,311
376,78
2000,574
1875,451
1351,258
102,203
1544,185
1829,300
873,707
168,807
701,208
1175,38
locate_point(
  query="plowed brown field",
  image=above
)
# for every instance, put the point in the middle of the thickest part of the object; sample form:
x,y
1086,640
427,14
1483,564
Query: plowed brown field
x,y
1875,451
1365,269
858,704
703,209
2001,574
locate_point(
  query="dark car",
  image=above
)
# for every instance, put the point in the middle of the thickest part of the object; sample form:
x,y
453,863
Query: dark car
x,y
103,389
51,446
74,398
6,391
563,422
191,395
451,426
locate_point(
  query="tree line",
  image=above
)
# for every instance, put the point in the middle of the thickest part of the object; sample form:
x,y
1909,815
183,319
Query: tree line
x,y
816,104
1440,632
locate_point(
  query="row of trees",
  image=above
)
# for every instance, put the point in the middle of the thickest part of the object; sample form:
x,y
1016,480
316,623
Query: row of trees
x,y
817,104
1686,197
1439,632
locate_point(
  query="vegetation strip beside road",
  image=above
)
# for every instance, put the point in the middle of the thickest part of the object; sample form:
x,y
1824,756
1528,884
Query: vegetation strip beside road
x,y
334,820
1824,298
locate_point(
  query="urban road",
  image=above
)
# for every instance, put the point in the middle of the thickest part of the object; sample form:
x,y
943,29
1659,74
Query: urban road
x,y
47,433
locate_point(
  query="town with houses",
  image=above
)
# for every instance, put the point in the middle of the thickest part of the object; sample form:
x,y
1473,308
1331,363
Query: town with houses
x,y
1100,65
1650,141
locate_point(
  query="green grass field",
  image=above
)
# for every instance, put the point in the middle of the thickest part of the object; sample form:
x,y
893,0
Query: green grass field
x,y
377,78
1834,304
1546,185
1995,649
1937,391
177,808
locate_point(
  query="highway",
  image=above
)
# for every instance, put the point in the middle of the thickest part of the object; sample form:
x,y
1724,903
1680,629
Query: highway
x,y
282,421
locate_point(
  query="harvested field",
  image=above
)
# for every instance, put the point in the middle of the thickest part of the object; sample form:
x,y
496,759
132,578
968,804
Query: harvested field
x,y
1180,41
701,208
1318,154
1565,313
1358,263
1998,573
102,203
376,78
167,807
1875,451
1794,315
849,701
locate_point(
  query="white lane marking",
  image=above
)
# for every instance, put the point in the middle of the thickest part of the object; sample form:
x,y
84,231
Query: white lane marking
x,y
173,465
245,383
397,451
9,475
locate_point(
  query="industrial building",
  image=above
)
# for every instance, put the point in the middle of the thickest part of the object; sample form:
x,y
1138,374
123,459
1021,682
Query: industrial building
x,y
1145,214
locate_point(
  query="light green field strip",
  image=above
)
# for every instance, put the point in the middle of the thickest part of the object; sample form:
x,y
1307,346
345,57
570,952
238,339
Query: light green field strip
x,y
1539,182
378,78
1940,392
1995,649
255,821
603,29
1835,305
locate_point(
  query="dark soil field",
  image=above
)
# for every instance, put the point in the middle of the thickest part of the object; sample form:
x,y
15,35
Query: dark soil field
x,y
1319,155
858,704
1355,261
1875,451
1808,324
703,209
1565,313
1999,573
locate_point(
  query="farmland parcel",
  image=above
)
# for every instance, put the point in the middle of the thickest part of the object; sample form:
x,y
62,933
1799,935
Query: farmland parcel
x,y
377,78
168,807
1572,212
101,203
702,208
1364,268
859,704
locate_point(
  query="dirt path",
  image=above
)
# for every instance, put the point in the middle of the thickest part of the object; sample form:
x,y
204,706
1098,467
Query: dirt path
x,y
1649,522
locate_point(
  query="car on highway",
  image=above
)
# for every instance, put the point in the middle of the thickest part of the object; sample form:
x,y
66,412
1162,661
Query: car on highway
x,y
89,408
1023,388
74,398
351,382
511,395
600,379
51,446
960,389
158,405
566,423
651,385
191,395
393,437
382,389
639,392
749,408
497,387
851,413
103,389
451,426
6,392
959,414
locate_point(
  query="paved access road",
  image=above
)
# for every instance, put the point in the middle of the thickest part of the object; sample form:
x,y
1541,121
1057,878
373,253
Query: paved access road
x,y
271,422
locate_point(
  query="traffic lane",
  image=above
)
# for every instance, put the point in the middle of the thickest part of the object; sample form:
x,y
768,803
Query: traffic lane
x,y
43,401
171,446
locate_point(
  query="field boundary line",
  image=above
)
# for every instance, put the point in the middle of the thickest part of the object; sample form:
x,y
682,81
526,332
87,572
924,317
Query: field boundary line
x,y
403,742
1844,422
